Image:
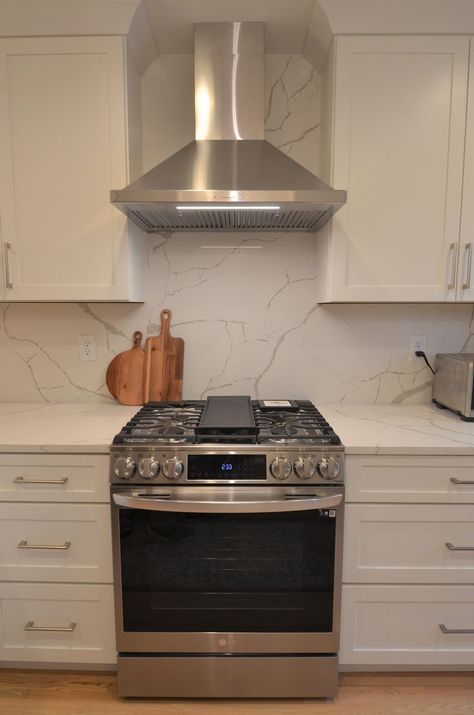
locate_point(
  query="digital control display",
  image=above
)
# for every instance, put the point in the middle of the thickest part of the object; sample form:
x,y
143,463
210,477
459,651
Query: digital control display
x,y
227,466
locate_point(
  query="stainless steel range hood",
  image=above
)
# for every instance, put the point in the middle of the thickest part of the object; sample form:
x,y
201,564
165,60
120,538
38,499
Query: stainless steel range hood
x,y
229,178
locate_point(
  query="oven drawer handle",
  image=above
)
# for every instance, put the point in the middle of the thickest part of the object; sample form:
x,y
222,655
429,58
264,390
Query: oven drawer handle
x,y
164,503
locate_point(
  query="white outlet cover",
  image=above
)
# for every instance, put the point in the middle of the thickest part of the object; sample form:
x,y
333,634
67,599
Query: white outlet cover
x,y
87,347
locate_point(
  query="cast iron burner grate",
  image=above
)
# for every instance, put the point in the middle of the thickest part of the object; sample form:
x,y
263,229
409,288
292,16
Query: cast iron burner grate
x,y
163,423
301,423
227,420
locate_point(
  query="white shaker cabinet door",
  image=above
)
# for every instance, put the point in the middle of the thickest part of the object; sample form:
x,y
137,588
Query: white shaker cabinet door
x,y
63,146
398,108
465,283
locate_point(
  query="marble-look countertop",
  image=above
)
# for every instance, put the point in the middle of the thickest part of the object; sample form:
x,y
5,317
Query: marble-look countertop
x,y
363,429
60,427
400,429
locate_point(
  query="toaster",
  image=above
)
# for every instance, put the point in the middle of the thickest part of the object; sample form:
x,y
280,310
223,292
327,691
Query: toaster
x,y
453,385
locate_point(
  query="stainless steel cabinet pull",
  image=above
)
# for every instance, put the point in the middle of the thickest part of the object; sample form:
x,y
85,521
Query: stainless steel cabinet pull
x,y
467,282
6,251
30,626
458,548
452,253
444,629
24,480
55,547
455,480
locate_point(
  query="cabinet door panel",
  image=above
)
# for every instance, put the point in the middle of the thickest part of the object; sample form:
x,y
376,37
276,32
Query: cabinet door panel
x,y
399,123
408,543
415,478
85,612
62,148
399,625
466,262
55,542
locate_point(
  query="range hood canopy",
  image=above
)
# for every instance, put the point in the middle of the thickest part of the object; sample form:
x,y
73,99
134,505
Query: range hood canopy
x,y
229,178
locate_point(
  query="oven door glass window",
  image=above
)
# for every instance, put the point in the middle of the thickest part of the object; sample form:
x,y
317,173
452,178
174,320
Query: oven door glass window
x,y
227,572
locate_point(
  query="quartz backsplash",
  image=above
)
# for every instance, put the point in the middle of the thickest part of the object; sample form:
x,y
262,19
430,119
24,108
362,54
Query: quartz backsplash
x,y
244,303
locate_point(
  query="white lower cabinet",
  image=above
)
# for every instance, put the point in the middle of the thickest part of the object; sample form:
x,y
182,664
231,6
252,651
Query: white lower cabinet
x,y
401,625
57,623
408,572
56,590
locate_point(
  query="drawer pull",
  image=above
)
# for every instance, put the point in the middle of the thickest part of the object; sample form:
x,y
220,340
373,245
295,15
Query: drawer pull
x,y
55,547
458,548
444,629
455,480
23,480
30,626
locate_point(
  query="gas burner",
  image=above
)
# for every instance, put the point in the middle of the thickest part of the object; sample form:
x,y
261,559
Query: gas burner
x,y
236,420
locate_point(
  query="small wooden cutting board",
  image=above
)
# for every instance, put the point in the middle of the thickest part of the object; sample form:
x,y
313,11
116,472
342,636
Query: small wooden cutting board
x,y
124,375
164,358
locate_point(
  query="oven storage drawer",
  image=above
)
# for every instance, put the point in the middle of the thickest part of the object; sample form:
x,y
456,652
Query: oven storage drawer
x,y
55,542
408,543
56,623
54,477
417,478
400,625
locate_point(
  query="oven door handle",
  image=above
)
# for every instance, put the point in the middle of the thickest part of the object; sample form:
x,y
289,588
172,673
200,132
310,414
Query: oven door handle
x,y
163,502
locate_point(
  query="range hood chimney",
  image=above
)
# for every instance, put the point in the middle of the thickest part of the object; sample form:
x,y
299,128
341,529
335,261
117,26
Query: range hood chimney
x,y
229,178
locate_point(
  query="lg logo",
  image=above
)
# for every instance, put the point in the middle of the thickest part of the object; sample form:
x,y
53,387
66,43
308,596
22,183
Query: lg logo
x,y
229,642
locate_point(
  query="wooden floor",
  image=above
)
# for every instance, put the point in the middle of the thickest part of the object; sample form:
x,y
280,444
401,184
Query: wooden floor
x,y
44,693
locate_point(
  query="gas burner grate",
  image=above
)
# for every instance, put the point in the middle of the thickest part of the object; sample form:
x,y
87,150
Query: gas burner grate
x,y
304,424
163,423
247,422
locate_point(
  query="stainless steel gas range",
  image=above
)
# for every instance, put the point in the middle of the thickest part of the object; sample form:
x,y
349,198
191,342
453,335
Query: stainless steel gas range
x,y
227,519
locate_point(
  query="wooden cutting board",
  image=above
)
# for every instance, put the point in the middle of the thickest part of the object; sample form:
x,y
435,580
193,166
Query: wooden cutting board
x,y
164,357
124,375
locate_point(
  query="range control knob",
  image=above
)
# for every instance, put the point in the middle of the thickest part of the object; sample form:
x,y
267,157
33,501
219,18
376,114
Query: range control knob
x,y
281,468
124,467
148,467
329,467
305,467
173,468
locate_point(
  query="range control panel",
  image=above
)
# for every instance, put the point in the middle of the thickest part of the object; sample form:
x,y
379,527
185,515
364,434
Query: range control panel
x,y
228,467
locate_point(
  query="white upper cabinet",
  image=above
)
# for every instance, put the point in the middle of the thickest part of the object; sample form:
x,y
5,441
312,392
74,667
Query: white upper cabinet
x,y
63,145
465,279
394,125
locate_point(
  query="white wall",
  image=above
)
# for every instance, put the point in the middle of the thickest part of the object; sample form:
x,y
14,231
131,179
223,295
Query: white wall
x,y
244,303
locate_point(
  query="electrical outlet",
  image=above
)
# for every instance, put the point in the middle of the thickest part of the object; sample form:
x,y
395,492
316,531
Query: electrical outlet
x,y
87,348
417,342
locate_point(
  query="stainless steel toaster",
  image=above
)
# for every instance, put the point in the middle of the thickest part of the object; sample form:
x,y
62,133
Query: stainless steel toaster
x,y
453,385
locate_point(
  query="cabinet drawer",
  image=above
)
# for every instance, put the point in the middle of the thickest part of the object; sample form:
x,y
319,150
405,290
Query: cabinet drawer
x,y
407,543
64,623
383,478
400,625
55,542
54,477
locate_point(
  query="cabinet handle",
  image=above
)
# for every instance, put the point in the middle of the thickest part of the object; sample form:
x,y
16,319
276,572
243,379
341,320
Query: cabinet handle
x,y
30,626
443,629
23,480
467,282
458,548
55,547
452,253
7,248
455,480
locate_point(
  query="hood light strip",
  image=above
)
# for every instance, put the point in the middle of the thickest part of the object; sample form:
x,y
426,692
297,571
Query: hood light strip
x,y
226,207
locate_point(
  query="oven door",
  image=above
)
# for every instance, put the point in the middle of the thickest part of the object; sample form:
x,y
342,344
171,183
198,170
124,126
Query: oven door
x,y
227,570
